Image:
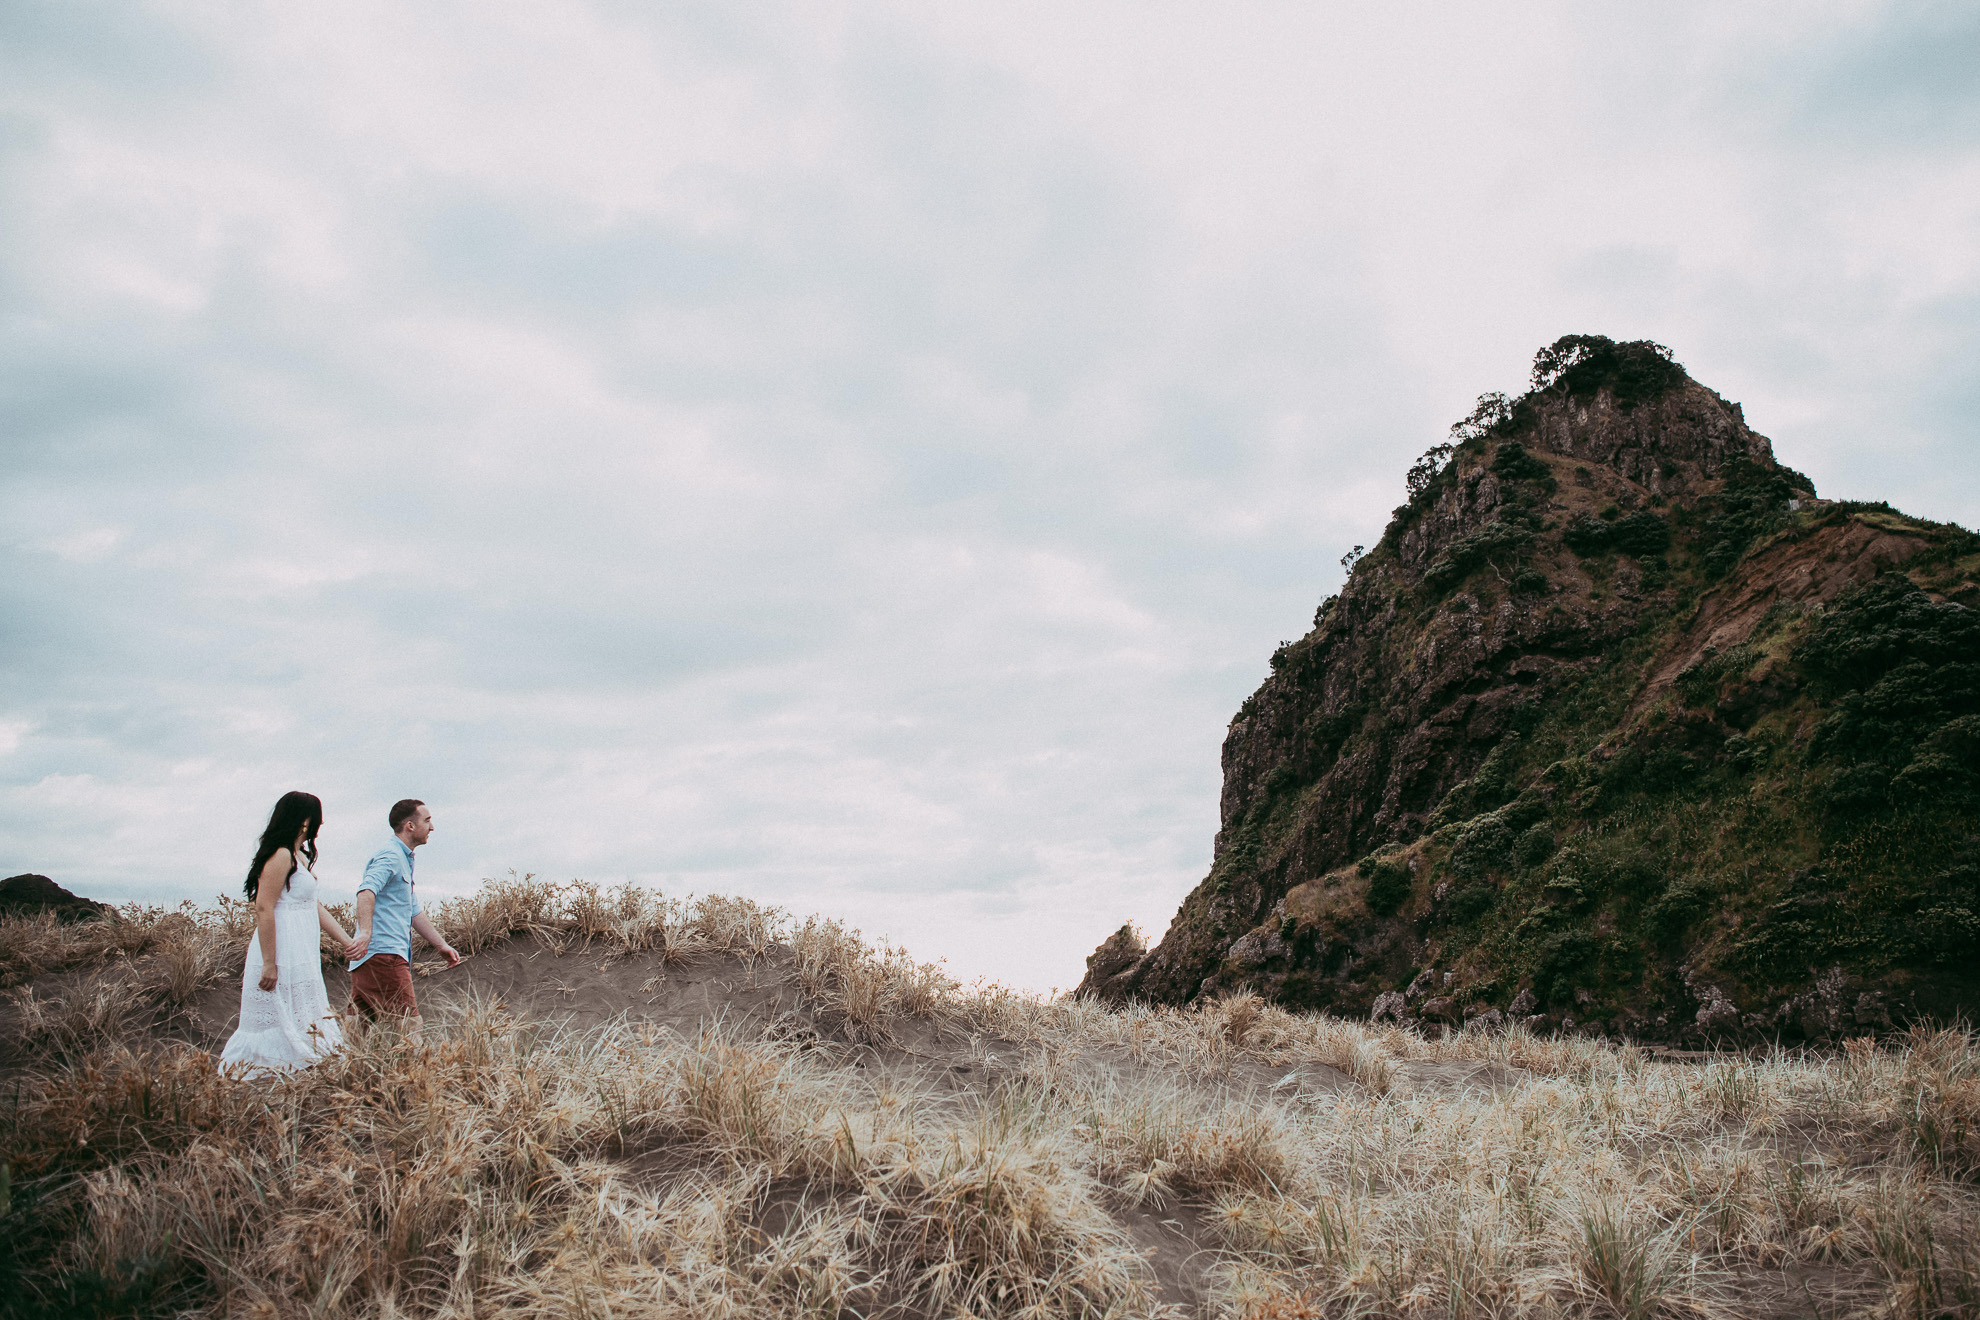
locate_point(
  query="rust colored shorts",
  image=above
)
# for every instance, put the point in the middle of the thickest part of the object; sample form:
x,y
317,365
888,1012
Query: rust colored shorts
x,y
382,987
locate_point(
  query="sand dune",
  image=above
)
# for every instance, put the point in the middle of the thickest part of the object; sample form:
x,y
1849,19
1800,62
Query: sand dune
x,y
632,1105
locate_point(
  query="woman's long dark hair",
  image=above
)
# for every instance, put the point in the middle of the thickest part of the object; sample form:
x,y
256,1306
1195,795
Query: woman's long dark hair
x,y
295,813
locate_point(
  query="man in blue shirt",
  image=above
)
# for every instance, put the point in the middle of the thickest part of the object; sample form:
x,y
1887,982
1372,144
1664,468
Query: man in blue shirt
x,y
387,914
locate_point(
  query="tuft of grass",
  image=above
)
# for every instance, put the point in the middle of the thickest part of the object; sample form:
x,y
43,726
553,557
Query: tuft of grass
x,y
193,956
1623,1264
1731,1089
1939,1100
1367,1064
867,987
1237,1015
70,1024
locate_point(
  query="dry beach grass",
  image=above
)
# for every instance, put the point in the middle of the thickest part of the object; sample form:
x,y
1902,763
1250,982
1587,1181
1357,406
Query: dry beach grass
x,y
834,1129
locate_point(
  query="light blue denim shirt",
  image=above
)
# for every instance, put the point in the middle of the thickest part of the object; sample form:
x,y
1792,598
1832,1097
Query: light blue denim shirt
x,y
389,875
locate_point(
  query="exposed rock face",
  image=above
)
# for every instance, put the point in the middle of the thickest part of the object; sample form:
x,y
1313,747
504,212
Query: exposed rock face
x,y
1432,696
1558,595
1441,1009
31,895
1116,954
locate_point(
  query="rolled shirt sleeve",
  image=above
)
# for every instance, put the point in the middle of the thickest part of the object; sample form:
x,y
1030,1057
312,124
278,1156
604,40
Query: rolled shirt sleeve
x,y
377,873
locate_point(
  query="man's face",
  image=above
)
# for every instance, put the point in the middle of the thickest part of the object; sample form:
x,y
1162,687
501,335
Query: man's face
x,y
419,828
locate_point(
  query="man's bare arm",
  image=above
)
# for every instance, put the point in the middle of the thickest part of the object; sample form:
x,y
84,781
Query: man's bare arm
x,y
433,937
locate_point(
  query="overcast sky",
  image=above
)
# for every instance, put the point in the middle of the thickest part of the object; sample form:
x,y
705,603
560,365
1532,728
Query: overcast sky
x,y
855,456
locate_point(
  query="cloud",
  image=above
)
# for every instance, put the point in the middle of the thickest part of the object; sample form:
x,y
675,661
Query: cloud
x,y
854,456
1896,81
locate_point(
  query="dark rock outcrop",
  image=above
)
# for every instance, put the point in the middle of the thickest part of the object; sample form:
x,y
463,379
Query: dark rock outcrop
x,y
31,895
1116,954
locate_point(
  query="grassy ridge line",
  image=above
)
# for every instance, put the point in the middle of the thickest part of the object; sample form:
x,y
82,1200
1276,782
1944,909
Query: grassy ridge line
x,y
494,1167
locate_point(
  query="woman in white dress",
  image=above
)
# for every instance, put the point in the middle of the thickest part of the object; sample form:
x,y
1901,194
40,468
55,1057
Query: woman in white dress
x,y
286,1022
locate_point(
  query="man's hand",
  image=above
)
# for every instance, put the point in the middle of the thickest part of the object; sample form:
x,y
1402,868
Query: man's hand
x,y
358,947
448,952
267,979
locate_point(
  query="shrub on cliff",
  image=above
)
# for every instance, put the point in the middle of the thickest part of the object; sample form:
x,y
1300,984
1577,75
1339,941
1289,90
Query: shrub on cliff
x,y
1641,534
1752,503
1699,682
1423,473
1636,371
1513,463
1905,674
1495,541
1561,960
1490,786
1874,627
1484,844
1388,885
1675,910
1491,414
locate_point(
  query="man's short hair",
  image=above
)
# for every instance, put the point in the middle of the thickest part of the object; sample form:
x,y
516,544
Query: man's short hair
x,y
402,811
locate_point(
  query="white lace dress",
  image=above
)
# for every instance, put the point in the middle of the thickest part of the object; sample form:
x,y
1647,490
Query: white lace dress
x,y
290,1026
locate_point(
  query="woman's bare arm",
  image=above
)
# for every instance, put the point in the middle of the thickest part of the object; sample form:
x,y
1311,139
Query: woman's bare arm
x,y
361,940
267,892
332,927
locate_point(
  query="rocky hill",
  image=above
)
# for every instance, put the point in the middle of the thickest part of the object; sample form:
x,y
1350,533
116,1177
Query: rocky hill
x,y
1619,728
